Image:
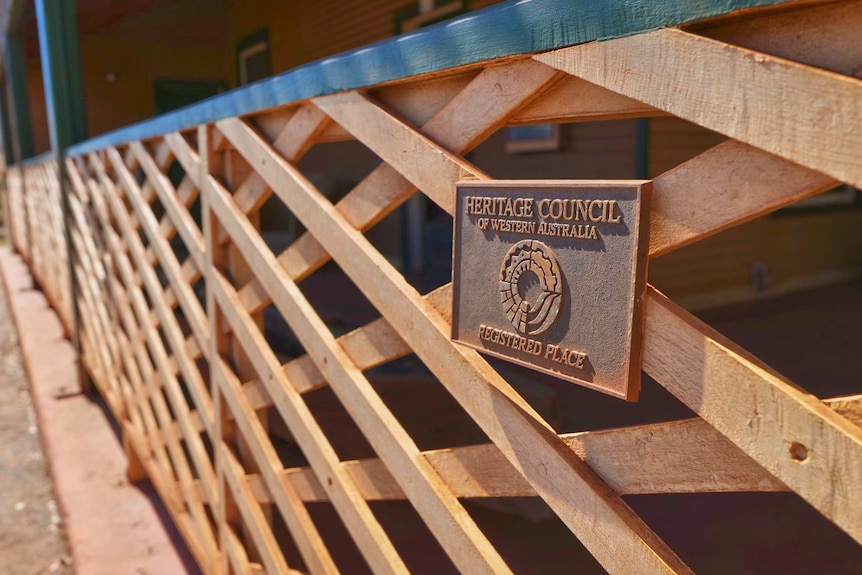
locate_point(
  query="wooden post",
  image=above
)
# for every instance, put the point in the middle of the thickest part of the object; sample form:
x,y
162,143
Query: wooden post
x,y
228,166
217,258
135,469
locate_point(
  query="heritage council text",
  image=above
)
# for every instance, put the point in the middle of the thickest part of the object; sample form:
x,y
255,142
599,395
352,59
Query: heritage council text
x,y
557,217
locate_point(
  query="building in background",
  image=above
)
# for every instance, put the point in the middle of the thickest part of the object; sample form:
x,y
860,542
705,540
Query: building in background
x,y
782,284
142,58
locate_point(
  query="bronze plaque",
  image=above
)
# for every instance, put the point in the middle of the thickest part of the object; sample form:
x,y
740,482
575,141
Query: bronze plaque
x,y
552,275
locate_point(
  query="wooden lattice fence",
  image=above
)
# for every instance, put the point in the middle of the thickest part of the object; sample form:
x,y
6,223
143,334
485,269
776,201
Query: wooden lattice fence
x,y
171,301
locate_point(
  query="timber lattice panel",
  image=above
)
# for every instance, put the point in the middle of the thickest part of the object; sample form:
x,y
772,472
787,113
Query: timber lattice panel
x,y
15,219
174,280
38,233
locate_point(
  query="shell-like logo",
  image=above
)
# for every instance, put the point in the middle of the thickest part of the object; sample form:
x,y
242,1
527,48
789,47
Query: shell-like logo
x,y
539,313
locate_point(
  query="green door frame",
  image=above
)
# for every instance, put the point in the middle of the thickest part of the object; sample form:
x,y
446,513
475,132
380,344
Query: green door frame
x,y
5,125
64,100
61,72
16,92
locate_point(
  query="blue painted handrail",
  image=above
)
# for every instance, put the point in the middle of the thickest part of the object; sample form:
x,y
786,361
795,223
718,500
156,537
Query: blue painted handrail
x,y
506,29
37,159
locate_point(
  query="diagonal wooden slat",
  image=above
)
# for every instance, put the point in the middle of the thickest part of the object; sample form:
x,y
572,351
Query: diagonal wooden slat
x,y
808,446
460,125
399,145
284,495
162,158
576,100
187,193
619,539
294,140
157,349
236,555
447,519
725,186
189,302
353,509
255,521
201,523
186,156
165,256
247,426
172,441
182,220
204,556
804,114
828,30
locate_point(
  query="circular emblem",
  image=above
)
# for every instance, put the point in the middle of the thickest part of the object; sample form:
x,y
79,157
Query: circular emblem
x,y
531,287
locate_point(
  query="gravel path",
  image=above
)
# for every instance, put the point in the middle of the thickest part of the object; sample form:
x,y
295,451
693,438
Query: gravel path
x,y
31,531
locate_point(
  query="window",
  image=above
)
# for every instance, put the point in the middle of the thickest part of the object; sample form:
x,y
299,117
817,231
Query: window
x,y
252,58
425,13
538,138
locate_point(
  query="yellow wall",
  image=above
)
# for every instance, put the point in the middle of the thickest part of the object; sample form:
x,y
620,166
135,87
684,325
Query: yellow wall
x,y
285,39
195,40
301,32
799,250
181,40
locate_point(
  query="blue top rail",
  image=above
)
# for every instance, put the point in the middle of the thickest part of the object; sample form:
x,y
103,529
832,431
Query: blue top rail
x,y
35,160
506,29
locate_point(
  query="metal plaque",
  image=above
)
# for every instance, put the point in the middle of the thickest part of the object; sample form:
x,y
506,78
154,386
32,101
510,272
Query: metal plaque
x,y
552,275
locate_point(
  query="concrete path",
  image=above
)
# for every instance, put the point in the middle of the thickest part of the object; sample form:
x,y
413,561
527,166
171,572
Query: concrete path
x,y
32,537
113,528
